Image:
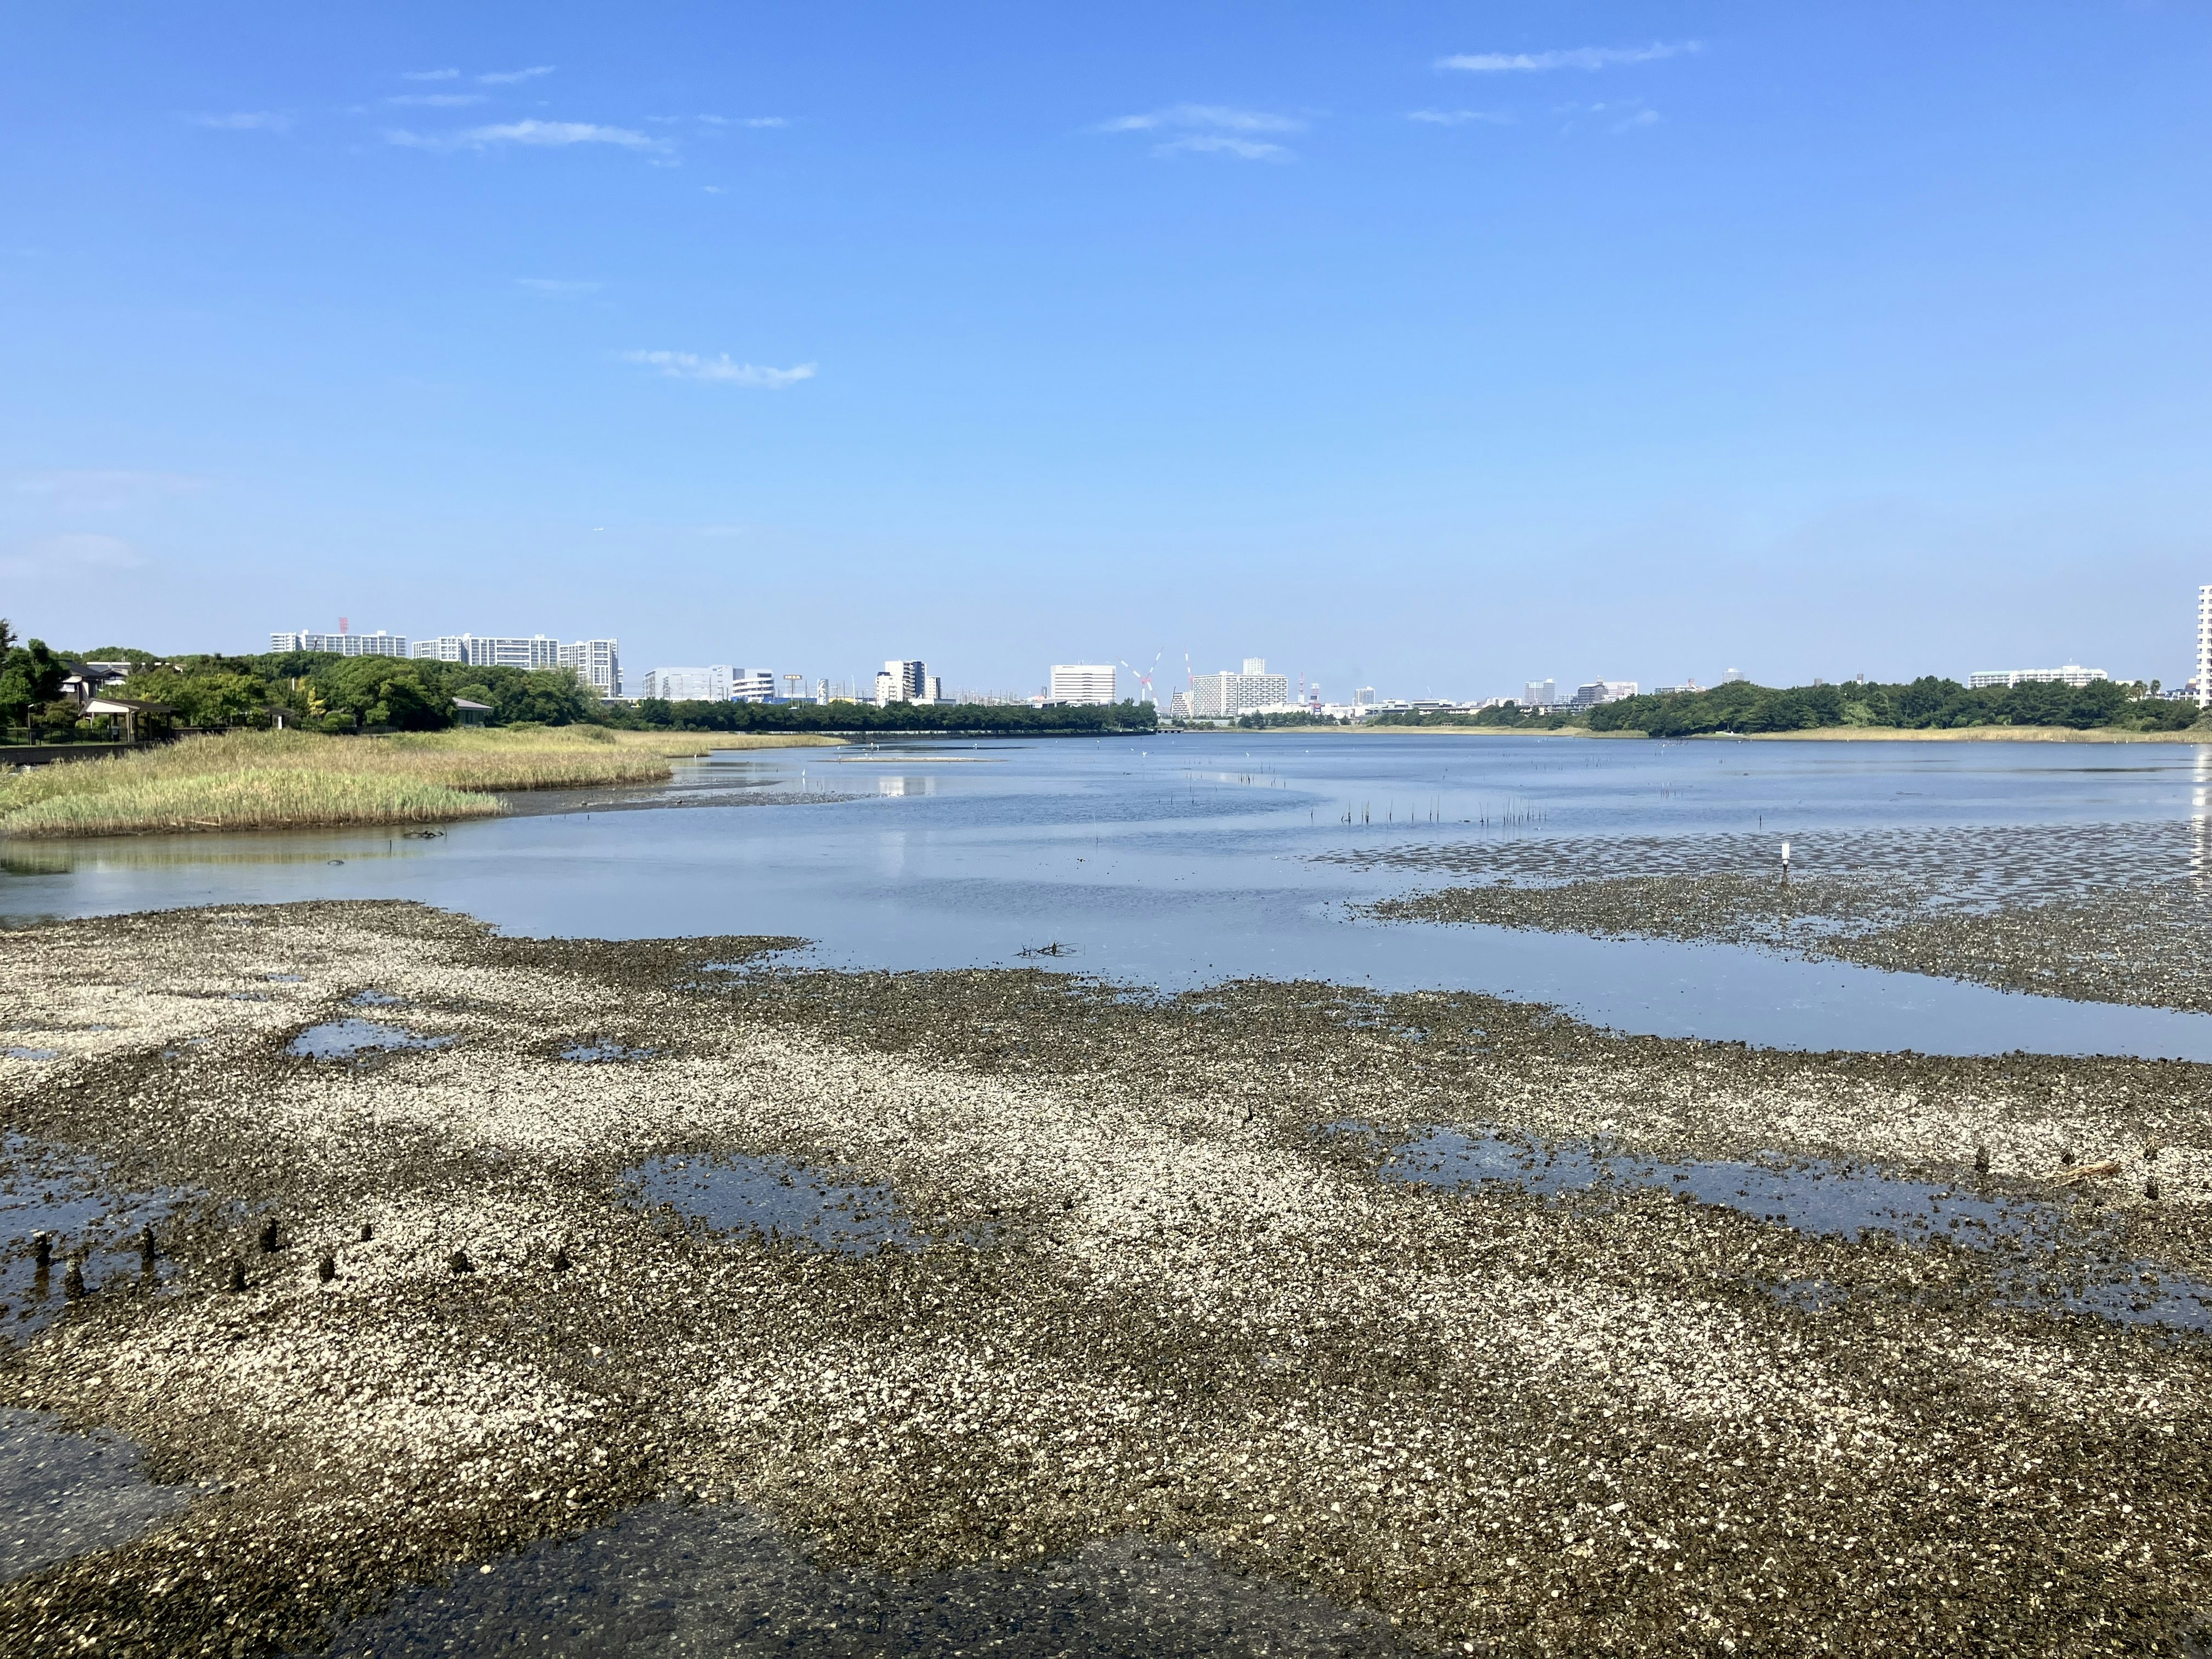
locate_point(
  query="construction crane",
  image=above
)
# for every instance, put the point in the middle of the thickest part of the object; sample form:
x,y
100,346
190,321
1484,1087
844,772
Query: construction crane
x,y
1144,680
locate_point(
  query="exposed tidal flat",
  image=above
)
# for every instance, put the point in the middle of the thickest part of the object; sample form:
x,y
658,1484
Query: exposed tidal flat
x,y
2105,913
1266,1317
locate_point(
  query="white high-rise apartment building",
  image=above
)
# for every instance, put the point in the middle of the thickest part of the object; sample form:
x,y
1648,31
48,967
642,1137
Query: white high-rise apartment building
x,y
1226,694
1081,682
493,651
903,681
1539,694
597,663
2072,674
709,684
2204,647
379,644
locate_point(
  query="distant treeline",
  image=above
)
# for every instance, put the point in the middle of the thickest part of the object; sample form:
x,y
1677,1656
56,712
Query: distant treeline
x,y
1927,703
991,719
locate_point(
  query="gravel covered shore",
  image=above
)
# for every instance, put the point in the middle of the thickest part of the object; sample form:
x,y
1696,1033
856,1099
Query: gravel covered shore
x,y
1155,1301
2096,912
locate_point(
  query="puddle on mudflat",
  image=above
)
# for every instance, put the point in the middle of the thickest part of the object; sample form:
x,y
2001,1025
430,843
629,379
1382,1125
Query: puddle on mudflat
x,y
669,1580
602,1052
1826,1200
1818,1199
32,1054
63,1494
348,1039
732,1193
375,1000
286,979
71,1200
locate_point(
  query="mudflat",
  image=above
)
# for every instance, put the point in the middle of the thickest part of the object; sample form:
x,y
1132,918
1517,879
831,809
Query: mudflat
x,y
1432,1322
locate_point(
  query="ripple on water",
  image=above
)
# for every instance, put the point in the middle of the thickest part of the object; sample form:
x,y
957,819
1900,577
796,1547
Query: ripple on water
x,y
348,1039
64,1494
731,1192
1822,1199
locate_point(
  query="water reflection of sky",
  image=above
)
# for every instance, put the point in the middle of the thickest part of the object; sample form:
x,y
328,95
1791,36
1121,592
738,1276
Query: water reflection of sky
x,y
1169,861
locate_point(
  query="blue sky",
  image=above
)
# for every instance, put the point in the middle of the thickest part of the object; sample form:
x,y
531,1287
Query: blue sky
x,y
1433,347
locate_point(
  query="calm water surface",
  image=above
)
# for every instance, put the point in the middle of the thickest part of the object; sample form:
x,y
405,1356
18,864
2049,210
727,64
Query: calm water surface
x,y
1171,861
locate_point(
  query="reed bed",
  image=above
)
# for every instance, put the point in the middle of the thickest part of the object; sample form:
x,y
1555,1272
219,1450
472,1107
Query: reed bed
x,y
288,779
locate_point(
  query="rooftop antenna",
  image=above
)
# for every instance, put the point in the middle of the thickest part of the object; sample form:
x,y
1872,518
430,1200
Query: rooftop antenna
x,y
341,624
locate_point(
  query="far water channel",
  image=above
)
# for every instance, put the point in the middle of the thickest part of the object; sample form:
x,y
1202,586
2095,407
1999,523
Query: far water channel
x,y
1172,861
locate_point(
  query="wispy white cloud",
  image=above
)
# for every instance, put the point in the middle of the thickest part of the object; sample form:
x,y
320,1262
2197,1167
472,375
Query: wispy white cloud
x,y
432,75
1619,116
1457,118
1581,58
1223,143
1210,129
689,366
436,100
251,120
744,121
1220,117
509,77
539,134
555,285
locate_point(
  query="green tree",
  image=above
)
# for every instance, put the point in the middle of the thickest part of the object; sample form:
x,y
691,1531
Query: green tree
x,y
30,677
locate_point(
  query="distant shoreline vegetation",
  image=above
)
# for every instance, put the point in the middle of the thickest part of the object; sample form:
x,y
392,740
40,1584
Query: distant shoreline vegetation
x,y
981,719
1928,703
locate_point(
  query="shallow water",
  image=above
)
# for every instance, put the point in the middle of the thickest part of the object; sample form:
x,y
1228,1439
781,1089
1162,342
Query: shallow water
x,y
78,1207
673,1579
63,1494
1826,1200
1175,861
350,1039
773,1196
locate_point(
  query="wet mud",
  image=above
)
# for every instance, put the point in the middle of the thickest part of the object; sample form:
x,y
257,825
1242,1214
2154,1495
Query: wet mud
x,y
2096,912
1154,1320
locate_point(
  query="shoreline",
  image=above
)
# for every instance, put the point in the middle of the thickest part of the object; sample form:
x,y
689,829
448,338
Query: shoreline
x,y
1155,1272
287,780
1816,734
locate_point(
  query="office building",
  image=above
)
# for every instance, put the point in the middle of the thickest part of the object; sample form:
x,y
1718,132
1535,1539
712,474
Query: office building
x,y
709,684
597,663
379,644
1225,695
1539,694
1081,682
492,651
2072,674
1598,691
753,685
903,681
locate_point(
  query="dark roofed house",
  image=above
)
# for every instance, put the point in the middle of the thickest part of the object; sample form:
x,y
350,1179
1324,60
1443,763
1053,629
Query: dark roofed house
x,y
471,713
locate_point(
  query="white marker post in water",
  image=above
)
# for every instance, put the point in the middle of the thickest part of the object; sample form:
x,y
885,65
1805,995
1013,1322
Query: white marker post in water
x,y
1785,863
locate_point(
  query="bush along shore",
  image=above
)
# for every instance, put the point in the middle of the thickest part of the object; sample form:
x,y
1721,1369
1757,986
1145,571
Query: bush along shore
x,y
1925,705
1163,1271
289,780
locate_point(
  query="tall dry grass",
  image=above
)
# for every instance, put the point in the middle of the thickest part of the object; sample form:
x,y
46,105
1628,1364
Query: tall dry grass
x,y
289,780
